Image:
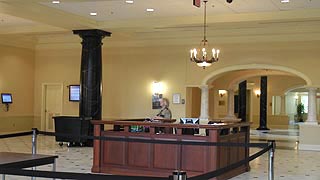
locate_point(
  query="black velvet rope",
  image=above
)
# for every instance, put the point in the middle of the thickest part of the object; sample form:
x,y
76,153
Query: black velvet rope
x,y
223,170
71,175
153,141
15,134
85,176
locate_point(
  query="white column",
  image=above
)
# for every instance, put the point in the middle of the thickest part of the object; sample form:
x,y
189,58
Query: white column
x,y
283,105
204,112
312,113
230,114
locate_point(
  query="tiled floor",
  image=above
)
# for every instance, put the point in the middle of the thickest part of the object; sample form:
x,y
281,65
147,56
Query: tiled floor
x,y
290,163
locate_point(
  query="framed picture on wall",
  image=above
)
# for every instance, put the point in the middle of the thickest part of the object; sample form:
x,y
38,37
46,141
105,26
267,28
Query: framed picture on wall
x,y
176,98
156,101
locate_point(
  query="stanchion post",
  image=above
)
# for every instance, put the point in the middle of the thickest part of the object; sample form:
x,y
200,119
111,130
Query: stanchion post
x,y
34,145
271,143
179,175
34,140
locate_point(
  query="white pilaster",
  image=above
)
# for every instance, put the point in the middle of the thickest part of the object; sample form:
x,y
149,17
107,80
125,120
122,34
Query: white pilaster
x,y
283,105
230,114
312,113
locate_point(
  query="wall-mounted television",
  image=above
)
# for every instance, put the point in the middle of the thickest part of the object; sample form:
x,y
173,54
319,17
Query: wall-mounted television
x,y
6,98
74,93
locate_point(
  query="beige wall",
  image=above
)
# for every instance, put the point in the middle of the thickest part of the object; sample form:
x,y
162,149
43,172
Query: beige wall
x,y
17,77
128,72
127,78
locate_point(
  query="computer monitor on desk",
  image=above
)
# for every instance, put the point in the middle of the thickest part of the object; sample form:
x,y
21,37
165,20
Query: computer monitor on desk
x,y
190,131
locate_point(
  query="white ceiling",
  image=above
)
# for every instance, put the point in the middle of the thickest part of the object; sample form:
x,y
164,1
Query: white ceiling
x,y
174,22
118,10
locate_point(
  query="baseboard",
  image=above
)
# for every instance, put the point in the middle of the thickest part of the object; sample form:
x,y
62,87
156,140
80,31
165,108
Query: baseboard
x,y
309,147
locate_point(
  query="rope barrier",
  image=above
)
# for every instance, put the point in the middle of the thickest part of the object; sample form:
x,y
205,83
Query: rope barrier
x,y
15,134
71,175
84,176
223,170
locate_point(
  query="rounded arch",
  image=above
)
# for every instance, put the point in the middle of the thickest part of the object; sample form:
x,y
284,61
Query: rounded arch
x,y
210,77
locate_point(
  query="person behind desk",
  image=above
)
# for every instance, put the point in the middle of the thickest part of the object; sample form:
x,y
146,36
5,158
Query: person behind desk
x,y
164,113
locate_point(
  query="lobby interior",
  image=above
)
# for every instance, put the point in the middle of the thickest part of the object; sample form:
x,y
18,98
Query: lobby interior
x,y
40,58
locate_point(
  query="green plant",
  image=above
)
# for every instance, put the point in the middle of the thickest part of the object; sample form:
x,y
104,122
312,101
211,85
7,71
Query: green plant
x,y
300,112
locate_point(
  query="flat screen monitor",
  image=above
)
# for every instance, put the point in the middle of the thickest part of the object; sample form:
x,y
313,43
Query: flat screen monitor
x,y
74,93
190,131
189,120
6,98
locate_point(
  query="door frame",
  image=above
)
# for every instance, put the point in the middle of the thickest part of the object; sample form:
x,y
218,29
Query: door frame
x,y
43,102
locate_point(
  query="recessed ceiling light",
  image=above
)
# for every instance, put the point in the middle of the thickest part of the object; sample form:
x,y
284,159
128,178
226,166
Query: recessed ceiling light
x,y
55,2
129,1
149,9
93,14
285,1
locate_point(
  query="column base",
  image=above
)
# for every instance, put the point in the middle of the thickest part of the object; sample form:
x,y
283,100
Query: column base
x,y
263,128
311,123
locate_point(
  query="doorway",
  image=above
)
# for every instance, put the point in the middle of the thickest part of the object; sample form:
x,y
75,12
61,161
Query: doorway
x,y
52,98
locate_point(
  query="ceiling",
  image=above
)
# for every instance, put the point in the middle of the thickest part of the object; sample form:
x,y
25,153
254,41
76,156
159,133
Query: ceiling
x,y
27,23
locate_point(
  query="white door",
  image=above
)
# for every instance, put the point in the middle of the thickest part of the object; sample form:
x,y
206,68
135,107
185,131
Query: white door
x,y
52,104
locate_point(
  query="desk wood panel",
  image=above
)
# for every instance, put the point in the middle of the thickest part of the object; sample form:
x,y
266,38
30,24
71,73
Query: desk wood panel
x,y
148,159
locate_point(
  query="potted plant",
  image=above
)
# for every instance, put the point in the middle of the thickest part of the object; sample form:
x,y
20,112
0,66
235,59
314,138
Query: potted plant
x,y
300,112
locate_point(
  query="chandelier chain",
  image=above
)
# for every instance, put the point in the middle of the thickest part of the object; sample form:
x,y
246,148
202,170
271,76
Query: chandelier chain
x,y
205,22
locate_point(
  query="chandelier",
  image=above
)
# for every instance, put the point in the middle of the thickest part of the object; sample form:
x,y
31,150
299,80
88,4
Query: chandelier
x,y
200,55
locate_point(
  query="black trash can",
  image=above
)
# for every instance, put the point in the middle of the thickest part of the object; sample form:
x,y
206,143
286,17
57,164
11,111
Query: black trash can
x,y
73,125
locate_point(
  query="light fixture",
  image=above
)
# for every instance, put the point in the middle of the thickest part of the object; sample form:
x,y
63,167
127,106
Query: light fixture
x,y
93,13
129,1
285,1
222,92
257,92
157,87
200,55
149,9
55,2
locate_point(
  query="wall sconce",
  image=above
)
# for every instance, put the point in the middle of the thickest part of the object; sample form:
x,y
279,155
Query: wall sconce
x,y
157,87
222,92
257,92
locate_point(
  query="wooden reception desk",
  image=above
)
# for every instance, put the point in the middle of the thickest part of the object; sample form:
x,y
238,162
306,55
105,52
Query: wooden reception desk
x,y
146,159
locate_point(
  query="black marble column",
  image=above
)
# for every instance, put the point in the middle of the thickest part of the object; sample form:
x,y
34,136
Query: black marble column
x,y
91,72
243,101
263,103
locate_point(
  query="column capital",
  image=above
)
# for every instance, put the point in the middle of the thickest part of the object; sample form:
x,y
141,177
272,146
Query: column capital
x,y
91,32
204,87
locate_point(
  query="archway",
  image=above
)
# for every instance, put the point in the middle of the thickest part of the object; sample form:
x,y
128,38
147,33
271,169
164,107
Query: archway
x,y
252,72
